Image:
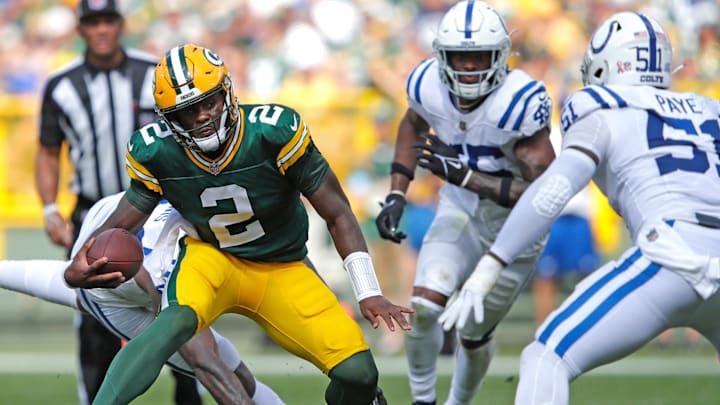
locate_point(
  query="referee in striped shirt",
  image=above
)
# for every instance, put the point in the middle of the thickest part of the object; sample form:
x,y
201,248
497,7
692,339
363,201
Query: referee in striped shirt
x,y
93,105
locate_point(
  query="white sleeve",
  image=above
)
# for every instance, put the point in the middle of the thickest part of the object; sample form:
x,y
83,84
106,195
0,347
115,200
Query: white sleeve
x,y
591,133
542,202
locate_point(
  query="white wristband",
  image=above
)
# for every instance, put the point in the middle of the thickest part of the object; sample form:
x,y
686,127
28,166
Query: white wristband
x,y
49,209
362,275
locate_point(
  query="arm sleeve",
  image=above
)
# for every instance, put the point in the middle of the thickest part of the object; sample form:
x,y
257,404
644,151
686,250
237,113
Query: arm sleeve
x,y
542,202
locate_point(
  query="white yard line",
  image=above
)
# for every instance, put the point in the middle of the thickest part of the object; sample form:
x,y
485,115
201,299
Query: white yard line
x,y
37,363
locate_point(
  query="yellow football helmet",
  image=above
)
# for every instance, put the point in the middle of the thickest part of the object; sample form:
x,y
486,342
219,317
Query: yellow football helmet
x,y
186,75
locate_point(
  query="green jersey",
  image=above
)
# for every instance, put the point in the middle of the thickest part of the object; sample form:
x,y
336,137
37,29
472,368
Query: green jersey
x,y
246,201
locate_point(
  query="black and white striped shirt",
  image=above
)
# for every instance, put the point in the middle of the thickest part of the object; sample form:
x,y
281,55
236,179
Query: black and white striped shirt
x,y
95,112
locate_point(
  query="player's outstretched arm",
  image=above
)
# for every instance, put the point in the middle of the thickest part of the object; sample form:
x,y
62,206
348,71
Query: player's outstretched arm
x,y
332,205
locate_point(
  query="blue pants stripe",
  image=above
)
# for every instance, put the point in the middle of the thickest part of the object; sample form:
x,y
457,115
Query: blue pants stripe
x,y
586,295
605,307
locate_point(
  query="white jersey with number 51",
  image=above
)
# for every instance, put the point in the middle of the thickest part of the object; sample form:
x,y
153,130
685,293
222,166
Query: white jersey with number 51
x,y
660,157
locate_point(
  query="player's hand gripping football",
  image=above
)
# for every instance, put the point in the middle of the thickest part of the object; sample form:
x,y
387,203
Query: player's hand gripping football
x,y
469,300
442,160
81,274
388,219
379,306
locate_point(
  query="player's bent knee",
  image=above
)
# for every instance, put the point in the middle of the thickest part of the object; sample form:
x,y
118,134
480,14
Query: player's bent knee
x,y
426,312
536,355
439,274
532,352
358,370
179,322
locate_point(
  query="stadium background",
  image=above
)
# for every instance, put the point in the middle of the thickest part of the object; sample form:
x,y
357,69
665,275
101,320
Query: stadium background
x,y
342,64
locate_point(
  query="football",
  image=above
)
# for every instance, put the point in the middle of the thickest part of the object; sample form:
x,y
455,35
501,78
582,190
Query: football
x,y
122,248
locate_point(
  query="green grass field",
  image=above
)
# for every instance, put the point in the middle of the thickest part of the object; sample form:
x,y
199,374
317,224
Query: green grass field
x,y
37,359
59,389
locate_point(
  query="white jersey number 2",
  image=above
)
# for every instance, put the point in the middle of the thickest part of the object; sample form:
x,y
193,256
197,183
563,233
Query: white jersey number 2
x,y
219,223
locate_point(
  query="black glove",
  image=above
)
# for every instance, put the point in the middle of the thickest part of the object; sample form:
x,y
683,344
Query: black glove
x,y
388,219
442,160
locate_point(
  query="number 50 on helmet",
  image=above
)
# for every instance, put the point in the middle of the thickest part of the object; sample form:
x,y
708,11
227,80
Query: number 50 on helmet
x,y
187,75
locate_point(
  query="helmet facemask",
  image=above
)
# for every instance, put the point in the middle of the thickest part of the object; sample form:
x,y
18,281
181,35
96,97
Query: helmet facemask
x,y
489,78
223,125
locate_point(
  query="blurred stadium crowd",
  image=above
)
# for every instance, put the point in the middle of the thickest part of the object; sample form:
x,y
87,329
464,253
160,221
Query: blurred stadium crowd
x,y
341,63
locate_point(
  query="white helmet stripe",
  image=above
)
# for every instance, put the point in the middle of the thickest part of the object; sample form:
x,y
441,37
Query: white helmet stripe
x,y
177,56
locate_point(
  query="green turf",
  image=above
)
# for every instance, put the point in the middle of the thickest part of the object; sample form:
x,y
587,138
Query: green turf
x,y
30,326
308,390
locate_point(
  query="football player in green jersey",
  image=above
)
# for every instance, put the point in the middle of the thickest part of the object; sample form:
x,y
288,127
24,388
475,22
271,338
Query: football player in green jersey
x,y
236,172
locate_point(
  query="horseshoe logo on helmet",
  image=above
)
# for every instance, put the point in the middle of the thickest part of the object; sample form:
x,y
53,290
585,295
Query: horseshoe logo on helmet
x,y
607,38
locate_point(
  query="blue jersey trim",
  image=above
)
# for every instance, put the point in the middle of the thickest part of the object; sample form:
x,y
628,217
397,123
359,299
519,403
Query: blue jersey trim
x,y
621,103
520,117
513,103
416,89
596,97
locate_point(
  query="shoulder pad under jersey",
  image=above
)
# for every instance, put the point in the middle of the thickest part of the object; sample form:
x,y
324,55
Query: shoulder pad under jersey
x,y
276,122
595,97
425,92
283,128
520,104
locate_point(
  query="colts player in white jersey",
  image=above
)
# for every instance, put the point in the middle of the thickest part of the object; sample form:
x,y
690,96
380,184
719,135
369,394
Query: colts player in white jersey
x,y
128,309
491,139
654,153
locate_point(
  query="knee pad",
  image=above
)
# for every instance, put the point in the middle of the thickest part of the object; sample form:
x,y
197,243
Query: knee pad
x,y
357,370
426,312
438,274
